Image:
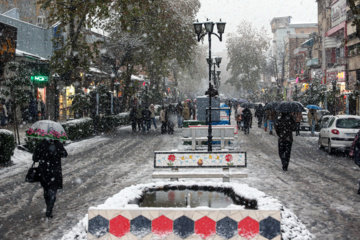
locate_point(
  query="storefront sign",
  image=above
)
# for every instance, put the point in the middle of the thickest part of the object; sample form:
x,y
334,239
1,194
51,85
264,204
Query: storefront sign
x,y
40,79
341,76
8,38
338,13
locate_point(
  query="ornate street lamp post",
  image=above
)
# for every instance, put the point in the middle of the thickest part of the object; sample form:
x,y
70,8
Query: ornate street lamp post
x,y
215,74
209,27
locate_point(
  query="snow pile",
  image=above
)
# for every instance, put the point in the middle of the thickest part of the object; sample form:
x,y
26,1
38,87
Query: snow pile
x,y
291,226
5,131
76,122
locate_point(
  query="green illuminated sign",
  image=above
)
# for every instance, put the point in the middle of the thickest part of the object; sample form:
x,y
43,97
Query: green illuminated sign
x,y
40,79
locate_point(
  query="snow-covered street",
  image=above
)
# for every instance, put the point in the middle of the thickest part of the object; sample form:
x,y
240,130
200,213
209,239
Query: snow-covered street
x,y
320,189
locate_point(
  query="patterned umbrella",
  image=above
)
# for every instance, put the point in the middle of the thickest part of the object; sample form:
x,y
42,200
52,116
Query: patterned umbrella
x,y
47,129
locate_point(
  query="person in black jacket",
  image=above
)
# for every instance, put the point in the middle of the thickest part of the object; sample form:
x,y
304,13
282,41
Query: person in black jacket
x,y
284,128
259,114
133,113
246,117
146,116
49,153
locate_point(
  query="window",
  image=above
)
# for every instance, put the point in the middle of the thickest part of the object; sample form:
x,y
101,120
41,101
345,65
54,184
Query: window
x,y
331,122
348,123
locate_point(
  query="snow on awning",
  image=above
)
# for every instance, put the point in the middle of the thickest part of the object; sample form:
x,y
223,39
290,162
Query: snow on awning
x,y
136,78
19,53
96,70
308,43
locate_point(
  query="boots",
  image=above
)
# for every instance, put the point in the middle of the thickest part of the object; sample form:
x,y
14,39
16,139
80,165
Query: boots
x,y
271,133
49,208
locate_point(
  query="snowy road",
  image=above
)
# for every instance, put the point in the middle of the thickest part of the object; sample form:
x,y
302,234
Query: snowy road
x,y
320,189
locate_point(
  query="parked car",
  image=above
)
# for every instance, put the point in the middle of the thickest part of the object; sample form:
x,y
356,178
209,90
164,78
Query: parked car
x,y
321,122
304,125
321,114
338,132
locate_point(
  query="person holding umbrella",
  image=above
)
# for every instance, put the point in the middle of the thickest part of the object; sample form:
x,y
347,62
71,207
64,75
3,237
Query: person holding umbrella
x,y
49,153
284,128
312,119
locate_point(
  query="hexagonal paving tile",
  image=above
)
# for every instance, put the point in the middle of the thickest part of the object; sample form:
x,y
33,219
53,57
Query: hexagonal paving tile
x,y
140,226
248,228
162,226
226,227
98,226
183,226
119,226
205,227
269,227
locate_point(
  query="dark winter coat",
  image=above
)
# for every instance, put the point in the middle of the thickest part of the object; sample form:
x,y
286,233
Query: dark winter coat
x,y
146,114
133,114
246,115
259,112
355,149
49,155
284,128
179,109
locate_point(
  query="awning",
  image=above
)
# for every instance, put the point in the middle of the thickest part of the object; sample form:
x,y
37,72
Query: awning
x,y
308,43
19,53
330,42
96,70
299,51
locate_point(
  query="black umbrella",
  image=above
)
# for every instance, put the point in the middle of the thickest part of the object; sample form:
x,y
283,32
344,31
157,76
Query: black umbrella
x,y
271,106
247,105
288,106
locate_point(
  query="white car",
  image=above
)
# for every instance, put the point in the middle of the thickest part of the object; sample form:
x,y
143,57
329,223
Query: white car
x,y
338,132
304,123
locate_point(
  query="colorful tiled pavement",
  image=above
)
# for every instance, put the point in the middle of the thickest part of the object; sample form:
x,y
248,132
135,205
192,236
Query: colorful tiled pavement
x,y
184,224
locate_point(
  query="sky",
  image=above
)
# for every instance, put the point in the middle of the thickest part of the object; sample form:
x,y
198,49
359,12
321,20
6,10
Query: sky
x,y
258,12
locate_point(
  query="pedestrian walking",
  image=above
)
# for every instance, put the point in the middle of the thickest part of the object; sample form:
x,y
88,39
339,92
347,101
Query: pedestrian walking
x,y
259,113
170,119
152,116
4,113
312,120
49,153
297,117
146,117
179,112
163,119
246,118
133,113
193,110
270,117
186,112
284,128
33,114
139,118
9,108
238,113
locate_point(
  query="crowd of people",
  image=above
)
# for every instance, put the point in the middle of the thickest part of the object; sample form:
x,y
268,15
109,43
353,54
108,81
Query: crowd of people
x,y
142,117
31,112
283,123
